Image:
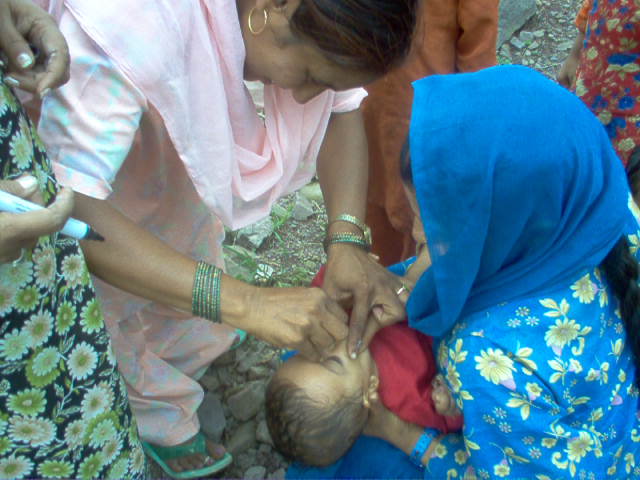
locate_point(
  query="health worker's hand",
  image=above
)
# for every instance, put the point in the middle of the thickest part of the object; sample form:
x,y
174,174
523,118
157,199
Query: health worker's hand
x,y
32,45
20,231
355,279
304,319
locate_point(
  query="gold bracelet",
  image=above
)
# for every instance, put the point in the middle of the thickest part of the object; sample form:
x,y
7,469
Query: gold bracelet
x,y
348,218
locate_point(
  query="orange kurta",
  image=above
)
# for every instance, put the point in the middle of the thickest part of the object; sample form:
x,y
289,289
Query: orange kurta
x,y
452,36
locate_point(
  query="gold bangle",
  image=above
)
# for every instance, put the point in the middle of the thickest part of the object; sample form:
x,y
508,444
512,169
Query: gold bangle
x,y
348,218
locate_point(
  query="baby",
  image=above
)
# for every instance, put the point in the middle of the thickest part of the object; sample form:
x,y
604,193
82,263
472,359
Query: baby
x,y
316,410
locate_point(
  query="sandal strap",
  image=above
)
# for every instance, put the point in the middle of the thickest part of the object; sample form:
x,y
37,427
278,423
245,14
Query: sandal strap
x,y
198,445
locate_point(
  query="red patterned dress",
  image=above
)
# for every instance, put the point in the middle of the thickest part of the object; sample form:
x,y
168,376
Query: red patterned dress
x,y
608,76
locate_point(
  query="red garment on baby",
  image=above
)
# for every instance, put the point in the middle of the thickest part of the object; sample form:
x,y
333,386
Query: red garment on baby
x,y
406,367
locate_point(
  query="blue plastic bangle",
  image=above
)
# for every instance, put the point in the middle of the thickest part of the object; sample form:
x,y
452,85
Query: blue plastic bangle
x,y
422,445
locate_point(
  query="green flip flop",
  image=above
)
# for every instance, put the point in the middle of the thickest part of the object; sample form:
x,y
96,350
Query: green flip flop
x,y
161,454
242,336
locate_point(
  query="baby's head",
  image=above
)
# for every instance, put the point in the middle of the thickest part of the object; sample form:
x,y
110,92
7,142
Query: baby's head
x,y
316,410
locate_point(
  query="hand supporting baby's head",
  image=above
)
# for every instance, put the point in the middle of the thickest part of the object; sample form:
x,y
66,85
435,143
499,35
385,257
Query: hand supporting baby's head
x,y
316,410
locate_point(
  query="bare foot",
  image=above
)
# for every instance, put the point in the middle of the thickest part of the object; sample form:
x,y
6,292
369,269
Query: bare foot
x,y
197,461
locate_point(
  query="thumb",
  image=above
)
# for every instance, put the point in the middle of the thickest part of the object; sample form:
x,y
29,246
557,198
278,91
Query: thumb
x,y
13,43
22,187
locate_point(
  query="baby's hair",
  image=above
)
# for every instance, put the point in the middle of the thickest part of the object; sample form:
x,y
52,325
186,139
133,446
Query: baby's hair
x,y
308,430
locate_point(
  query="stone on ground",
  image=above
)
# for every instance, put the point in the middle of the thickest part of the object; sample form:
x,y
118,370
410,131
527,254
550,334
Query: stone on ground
x,y
513,15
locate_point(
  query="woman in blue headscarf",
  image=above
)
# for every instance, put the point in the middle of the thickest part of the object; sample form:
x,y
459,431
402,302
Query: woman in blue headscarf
x,y
532,292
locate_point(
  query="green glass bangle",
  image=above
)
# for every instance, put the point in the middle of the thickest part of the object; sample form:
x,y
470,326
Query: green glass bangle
x,y
348,237
205,297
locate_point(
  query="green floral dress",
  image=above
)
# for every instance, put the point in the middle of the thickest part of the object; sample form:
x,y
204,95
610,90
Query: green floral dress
x,y
64,411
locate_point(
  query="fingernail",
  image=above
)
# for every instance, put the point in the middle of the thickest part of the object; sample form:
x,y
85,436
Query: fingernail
x,y
359,345
11,81
45,92
28,182
353,355
25,60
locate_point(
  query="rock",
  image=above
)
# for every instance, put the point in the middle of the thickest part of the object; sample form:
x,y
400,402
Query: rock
x,y
278,474
566,45
513,15
538,33
210,382
247,361
227,358
246,403
257,233
533,45
258,371
262,433
526,37
255,473
516,42
303,208
313,192
242,439
226,376
211,417
237,269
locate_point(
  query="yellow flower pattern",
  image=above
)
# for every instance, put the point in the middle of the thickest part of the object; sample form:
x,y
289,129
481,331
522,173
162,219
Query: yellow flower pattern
x,y
546,399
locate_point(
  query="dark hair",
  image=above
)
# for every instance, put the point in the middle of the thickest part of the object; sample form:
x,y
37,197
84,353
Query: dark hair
x,y
371,35
308,430
621,269
633,171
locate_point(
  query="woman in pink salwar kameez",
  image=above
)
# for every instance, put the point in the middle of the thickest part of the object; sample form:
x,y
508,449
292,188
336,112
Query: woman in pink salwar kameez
x,y
158,134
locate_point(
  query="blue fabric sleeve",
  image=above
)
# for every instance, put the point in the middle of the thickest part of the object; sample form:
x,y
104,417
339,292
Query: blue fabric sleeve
x,y
401,268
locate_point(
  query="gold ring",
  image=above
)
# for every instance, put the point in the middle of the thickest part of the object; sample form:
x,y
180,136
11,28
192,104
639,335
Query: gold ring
x,y
403,288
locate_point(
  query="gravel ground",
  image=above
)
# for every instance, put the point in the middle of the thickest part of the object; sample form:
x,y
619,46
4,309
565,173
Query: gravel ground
x,y
237,380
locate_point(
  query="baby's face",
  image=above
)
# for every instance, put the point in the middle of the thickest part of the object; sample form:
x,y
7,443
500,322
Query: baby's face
x,y
442,399
334,377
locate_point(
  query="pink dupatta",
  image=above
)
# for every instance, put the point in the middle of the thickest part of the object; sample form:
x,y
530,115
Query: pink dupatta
x,y
187,58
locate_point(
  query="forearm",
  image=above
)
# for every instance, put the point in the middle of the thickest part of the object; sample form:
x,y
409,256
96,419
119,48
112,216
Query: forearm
x,y
343,168
404,436
576,49
136,261
476,44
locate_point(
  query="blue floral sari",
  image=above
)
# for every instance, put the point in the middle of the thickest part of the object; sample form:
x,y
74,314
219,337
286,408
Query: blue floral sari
x,y
521,197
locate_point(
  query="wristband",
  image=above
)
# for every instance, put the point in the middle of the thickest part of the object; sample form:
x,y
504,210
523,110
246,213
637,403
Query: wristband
x,y
422,445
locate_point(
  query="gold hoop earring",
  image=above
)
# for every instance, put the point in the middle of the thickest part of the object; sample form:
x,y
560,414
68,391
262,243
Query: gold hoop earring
x,y
265,14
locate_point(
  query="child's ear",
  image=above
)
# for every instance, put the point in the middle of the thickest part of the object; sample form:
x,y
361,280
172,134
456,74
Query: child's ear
x,y
370,396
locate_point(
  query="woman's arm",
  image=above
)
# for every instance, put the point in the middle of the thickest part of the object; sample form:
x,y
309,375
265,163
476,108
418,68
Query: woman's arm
x,y
476,43
136,261
353,275
385,424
